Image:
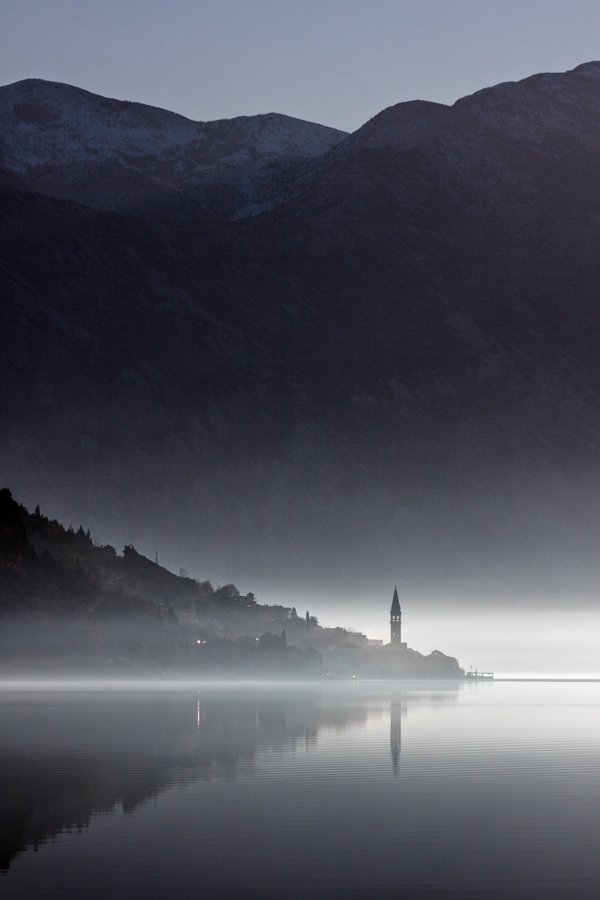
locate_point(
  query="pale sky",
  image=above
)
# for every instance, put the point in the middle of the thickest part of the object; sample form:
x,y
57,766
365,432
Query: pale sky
x,y
332,61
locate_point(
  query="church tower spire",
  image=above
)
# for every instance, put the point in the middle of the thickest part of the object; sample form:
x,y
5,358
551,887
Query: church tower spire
x,y
396,621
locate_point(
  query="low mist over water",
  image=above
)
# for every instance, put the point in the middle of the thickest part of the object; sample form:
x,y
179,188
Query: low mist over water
x,y
164,790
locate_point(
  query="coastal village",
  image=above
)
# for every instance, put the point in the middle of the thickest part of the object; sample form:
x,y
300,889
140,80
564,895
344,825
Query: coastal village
x,y
67,601
352,654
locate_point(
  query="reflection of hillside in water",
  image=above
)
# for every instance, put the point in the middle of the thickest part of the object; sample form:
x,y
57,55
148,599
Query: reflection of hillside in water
x,y
62,761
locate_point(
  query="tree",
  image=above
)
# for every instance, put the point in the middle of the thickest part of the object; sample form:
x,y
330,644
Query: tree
x,y
269,641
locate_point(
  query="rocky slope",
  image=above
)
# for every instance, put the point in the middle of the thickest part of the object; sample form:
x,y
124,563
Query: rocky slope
x,y
391,367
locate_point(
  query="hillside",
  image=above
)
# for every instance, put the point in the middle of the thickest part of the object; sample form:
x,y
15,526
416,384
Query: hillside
x,y
68,604
389,367
71,606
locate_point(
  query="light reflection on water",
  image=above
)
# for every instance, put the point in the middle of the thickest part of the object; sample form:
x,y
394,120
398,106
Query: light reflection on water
x,y
368,790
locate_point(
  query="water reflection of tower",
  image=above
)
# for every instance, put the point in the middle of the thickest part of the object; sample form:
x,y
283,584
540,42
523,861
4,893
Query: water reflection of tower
x,y
397,711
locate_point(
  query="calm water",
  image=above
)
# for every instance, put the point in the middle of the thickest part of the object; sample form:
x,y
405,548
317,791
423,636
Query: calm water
x,y
343,791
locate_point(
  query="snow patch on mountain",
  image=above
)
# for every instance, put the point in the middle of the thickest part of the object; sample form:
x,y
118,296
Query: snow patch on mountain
x,y
49,123
56,125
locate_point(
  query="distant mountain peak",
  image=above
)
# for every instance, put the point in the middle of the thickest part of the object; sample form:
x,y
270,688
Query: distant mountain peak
x,y
399,125
589,68
537,112
70,143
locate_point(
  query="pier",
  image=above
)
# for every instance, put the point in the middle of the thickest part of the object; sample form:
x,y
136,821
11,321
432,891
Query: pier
x,y
479,676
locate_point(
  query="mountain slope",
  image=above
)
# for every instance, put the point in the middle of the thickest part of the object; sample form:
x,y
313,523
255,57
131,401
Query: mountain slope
x,y
392,366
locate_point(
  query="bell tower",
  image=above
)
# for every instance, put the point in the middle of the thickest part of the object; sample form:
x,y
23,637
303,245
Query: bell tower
x,y
396,621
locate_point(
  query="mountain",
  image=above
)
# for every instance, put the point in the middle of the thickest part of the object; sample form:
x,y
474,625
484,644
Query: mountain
x,y
389,367
69,143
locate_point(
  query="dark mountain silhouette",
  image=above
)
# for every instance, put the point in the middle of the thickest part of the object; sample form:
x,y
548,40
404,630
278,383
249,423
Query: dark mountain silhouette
x,y
390,365
70,606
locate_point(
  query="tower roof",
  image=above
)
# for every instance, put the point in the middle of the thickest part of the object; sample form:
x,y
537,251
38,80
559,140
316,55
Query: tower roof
x,y
395,602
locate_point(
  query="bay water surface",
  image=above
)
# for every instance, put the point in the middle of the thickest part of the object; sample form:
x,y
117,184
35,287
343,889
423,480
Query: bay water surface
x,y
336,790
